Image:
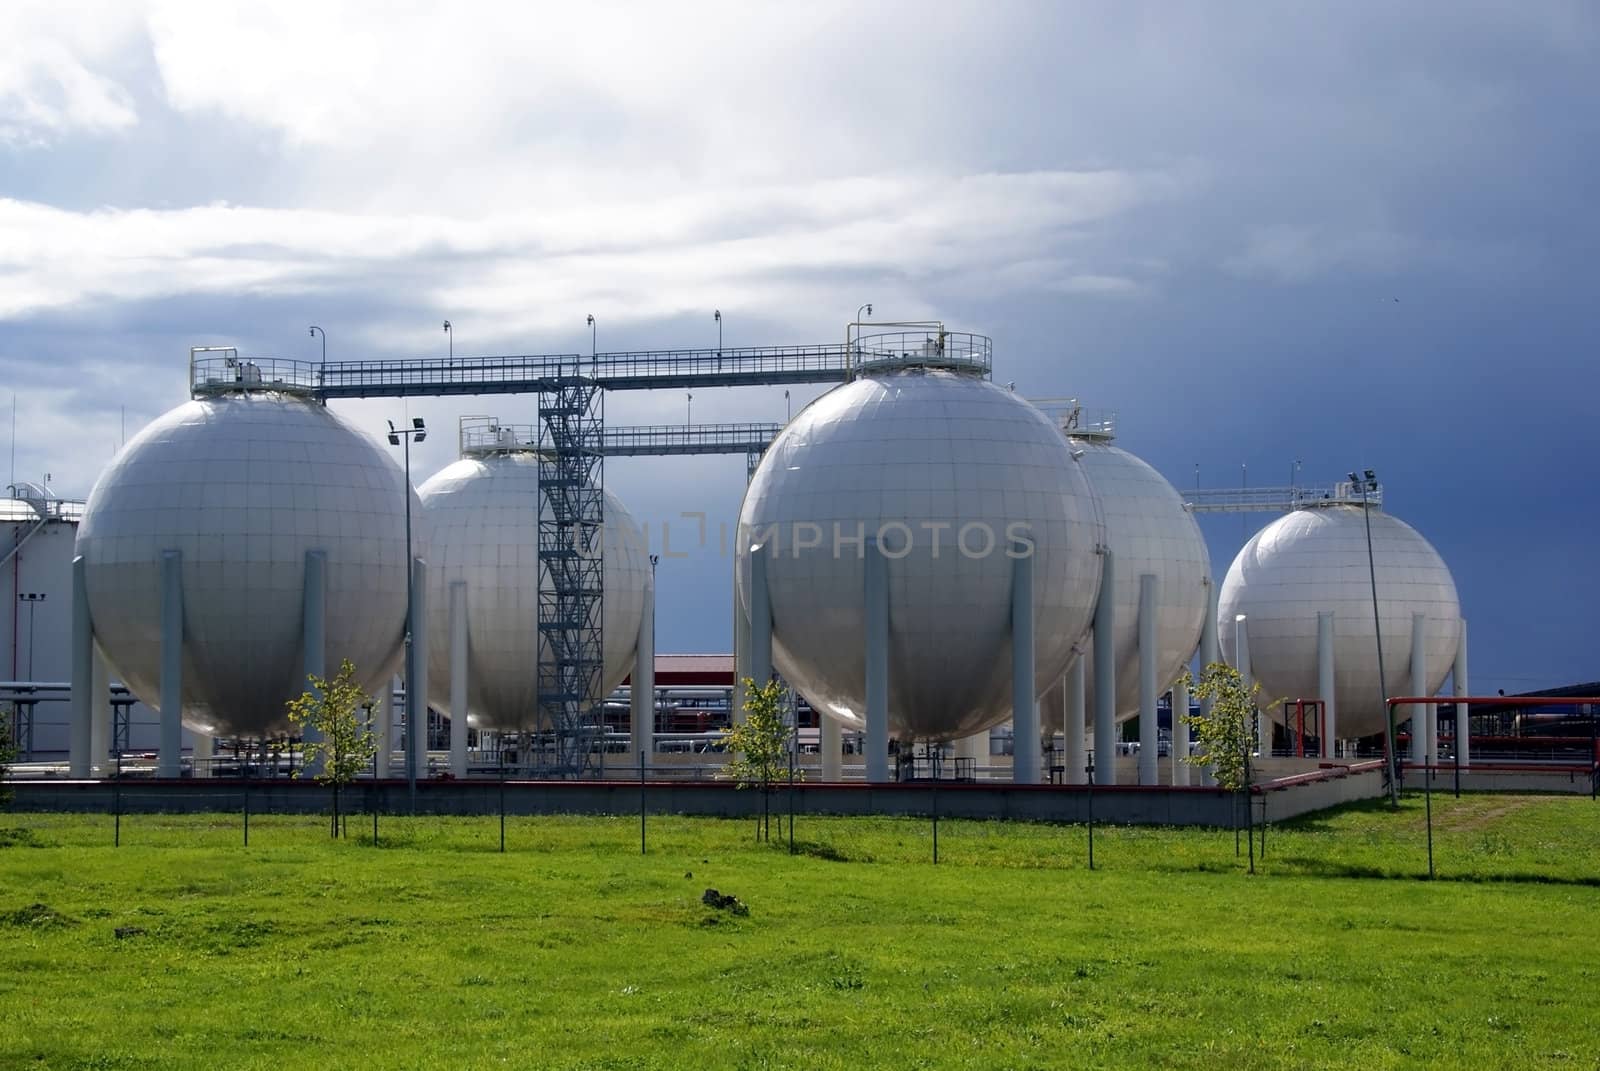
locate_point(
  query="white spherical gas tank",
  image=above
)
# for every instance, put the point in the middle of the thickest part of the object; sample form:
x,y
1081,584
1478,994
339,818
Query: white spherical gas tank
x,y
943,468
1316,560
243,486
483,514
1149,531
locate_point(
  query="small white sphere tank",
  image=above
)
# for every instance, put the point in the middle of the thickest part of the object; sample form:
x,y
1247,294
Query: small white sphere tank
x,y
483,521
243,485
1149,531
941,465
1316,560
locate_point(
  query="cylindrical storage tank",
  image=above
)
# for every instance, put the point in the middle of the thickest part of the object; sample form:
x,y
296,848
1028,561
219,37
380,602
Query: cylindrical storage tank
x,y
37,534
1149,531
243,485
942,467
1316,560
483,514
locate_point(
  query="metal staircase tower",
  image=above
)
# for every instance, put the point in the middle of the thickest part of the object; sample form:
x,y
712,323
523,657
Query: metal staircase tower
x,y
572,571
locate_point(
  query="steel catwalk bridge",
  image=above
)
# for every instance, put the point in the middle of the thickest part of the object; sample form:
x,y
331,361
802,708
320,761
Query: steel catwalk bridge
x,y
572,442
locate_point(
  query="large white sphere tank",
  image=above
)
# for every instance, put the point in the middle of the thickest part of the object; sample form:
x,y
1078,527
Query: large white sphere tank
x,y
1316,560
1150,531
922,457
243,486
483,520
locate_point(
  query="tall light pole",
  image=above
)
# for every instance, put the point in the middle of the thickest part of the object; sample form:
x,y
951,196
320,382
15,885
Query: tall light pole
x,y
1369,482
688,413
850,357
717,316
33,599
788,408
594,346
315,331
451,335
415,433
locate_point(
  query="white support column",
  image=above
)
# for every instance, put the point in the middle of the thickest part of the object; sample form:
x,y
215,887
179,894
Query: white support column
x,y
314,635
741,649
1325,683
204,751
1105,674
1180,732
170,762
1149,728
417,687
832,747
1073,723
760,619
80,737
458,678
1241,646
1024,704
1463,712
103,729
877,612
1419,686
642,686
383,727
1209,652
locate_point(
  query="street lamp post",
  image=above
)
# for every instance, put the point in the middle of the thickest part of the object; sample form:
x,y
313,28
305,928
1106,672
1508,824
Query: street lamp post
x,y
853,358
321,371
788,408
717,316
451,335
1369,482
33,599
688,413
417,432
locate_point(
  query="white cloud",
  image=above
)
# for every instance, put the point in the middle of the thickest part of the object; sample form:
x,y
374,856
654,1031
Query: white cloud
x,y
50,86
786,248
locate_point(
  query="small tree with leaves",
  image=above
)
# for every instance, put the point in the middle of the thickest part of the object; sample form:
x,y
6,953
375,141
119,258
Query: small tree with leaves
x,y
345,746
761,743
1226,735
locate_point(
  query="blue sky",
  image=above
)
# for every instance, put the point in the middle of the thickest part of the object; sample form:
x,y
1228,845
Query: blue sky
x,y
1333,233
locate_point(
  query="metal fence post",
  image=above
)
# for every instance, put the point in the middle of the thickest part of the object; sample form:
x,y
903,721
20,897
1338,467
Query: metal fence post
x,y
1089,769
1427,802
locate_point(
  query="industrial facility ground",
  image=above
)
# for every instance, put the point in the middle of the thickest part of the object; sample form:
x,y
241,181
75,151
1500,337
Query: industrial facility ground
x,y
184,949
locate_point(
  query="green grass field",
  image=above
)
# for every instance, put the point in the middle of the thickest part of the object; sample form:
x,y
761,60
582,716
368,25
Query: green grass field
x,y
573,951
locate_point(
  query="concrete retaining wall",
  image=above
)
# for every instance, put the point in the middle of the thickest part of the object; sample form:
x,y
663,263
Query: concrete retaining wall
x,y
1122,805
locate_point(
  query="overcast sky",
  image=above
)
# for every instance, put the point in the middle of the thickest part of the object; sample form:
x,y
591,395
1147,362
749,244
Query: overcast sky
x,y
1339,233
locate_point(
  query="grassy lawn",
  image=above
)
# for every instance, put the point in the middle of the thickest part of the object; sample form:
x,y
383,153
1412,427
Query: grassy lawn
x,y
573,951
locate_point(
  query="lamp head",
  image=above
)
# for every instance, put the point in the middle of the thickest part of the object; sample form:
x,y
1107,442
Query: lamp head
x,y
591,319
447,325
